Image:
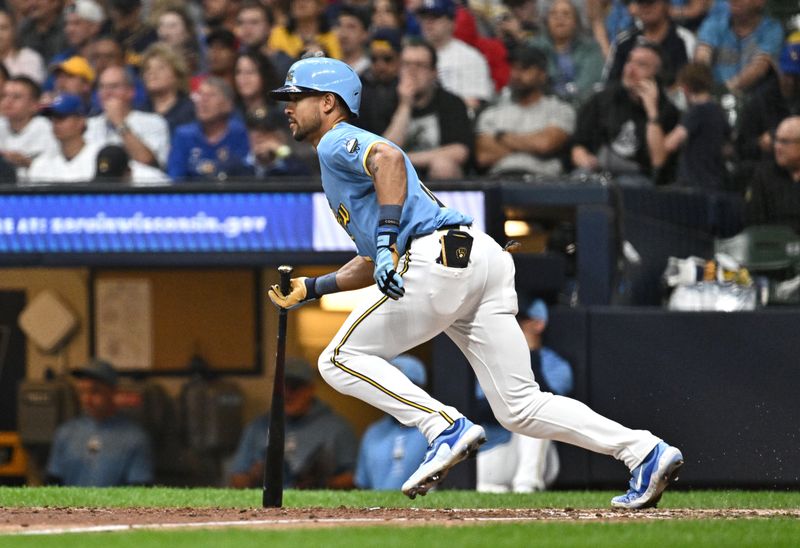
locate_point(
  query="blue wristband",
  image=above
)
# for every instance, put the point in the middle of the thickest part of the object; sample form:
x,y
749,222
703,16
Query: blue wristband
x,y
389,218
317,287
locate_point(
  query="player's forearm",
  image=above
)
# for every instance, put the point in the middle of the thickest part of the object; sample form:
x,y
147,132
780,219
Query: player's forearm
x,y
356,274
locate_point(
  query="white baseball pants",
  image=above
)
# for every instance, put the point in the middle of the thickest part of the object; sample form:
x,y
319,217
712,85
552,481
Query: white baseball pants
x,y
476,307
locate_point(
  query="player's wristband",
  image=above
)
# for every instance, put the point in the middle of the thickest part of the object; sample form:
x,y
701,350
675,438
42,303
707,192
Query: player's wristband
x,y
323,285
389,218
388,225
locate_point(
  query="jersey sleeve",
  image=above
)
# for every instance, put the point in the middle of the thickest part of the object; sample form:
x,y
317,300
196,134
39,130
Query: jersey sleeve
x,y
348,151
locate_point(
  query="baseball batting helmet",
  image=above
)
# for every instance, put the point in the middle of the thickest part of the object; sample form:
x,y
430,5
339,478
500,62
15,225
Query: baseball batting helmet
x,y
322,74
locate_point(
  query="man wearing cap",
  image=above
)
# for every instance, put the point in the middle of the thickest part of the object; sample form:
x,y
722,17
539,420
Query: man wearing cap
x,y
741,45
390,451
462,69
510,462
216,146
74,159
83,20
677,43
431,123
527,130
101,448
320,447
767,106
75,76
379,92
145,135
23,134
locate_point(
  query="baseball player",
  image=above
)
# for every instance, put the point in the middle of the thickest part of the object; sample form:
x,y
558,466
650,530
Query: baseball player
x,y
432,272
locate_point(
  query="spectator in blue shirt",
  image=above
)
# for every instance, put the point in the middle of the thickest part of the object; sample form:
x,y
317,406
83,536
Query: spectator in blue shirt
x,y
101,448
320,448
390,452
215,147
742,47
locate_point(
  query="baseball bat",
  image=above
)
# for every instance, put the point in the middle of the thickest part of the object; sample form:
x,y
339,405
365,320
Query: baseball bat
x,y
272,488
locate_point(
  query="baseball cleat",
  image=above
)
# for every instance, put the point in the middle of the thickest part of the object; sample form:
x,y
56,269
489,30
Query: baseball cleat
x,y
459,441
649,479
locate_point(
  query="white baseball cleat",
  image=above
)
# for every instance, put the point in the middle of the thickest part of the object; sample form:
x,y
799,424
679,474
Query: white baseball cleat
x,y
649,479
459,441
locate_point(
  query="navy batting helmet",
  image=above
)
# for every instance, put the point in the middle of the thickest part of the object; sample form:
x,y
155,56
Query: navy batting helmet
x,y
322,74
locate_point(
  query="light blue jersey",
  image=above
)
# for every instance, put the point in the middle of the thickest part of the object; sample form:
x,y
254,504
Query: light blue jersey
x,y
351,193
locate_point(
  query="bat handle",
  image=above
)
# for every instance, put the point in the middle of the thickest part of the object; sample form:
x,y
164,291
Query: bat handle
x,y
286,276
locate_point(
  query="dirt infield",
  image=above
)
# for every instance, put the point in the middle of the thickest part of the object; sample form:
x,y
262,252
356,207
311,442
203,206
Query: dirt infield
x,y
64,520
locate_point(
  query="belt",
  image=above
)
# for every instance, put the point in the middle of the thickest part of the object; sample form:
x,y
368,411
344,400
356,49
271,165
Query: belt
x,y
452,227
440,229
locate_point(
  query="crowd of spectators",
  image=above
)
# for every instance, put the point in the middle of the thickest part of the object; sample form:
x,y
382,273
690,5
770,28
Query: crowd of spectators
x,y
486,88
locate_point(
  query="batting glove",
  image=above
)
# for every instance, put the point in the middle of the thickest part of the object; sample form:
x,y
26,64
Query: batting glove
x,y
297,296
389,281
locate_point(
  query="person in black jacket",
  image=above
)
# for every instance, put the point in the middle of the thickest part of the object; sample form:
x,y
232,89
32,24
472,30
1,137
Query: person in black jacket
x,y
773,196
620,130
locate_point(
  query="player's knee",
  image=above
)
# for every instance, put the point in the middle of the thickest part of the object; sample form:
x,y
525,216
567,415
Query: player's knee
x,y
509,421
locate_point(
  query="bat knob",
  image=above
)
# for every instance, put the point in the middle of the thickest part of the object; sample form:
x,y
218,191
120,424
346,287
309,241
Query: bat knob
x,y
285,272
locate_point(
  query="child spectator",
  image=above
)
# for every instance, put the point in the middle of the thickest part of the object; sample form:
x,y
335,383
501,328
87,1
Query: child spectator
x,y
702,132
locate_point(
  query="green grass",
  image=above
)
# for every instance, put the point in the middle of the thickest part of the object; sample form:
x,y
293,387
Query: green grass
x,y
231,498
695,533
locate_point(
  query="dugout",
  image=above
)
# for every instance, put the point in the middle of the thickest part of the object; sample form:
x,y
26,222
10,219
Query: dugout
x,y
205,296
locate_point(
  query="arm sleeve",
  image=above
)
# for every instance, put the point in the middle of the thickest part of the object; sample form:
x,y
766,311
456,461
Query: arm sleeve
x,y
349,152
154,133
770,41
690,120
709,33
487,122
563,117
